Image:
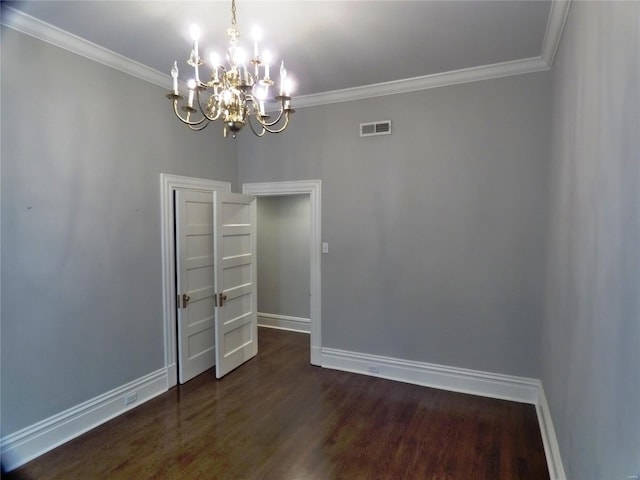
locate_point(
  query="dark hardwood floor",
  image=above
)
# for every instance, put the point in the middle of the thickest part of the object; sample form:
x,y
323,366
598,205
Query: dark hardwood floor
x,y
279,418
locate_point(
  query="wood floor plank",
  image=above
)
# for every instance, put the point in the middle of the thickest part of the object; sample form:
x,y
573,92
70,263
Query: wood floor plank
x,y
279,418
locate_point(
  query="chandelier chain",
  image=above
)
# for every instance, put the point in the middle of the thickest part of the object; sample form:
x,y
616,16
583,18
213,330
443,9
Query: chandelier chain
x,y
233,13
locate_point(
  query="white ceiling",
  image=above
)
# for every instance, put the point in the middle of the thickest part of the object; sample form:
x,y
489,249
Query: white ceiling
x,y
326,45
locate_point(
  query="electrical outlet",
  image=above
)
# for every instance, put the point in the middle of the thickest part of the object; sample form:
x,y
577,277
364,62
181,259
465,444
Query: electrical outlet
x,y
374,369
129,399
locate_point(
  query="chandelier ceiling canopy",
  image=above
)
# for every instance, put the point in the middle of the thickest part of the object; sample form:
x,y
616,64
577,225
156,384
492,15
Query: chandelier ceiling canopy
x,y
236,91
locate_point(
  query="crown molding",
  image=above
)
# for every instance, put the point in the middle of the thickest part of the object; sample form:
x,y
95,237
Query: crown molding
x,y
406,85
33,27
555,26
29,25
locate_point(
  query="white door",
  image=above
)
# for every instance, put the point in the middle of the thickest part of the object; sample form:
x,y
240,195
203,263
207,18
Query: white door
x,y
236,323
195,272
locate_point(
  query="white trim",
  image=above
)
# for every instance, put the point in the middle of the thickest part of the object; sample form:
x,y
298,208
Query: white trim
x,y
474,382
284,322
314,189
553,34
505,387
168,184
46,32
474,74
549,439
555,27
24,445
555,23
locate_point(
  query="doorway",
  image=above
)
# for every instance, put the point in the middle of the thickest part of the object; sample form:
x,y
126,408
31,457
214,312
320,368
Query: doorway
x,y
312,188
283,262
169,184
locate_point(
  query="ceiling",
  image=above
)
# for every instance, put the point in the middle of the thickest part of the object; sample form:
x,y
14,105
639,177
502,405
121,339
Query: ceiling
x,y
326,45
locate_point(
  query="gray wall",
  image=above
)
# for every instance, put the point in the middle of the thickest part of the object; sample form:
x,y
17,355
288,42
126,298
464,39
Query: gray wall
x,y
283,255
82,149
591,330
437,231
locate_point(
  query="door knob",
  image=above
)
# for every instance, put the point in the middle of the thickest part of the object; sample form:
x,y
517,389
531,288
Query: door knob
x,y
219,299
185,300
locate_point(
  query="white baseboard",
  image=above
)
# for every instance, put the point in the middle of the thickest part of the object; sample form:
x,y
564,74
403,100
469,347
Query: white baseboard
x,y
316,356
172,375
284,322
549,439
474,382
506,387
24,445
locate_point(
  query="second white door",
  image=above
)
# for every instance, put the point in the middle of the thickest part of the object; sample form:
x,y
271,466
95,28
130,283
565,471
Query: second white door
x,y
236,320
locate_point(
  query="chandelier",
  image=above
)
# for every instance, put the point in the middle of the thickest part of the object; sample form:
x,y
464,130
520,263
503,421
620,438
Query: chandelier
x,y
236,93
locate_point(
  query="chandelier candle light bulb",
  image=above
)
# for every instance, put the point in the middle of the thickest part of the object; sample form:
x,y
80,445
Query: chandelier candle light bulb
x,y
288,87
215,63
266,58
260,94
233,95
283,76
195,35
192,86
174,75
256,33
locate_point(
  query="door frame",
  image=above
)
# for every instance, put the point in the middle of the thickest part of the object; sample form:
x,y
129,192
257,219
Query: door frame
x,y
313,189
168,185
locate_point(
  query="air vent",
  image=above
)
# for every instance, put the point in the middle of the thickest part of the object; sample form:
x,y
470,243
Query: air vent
x,y
375,128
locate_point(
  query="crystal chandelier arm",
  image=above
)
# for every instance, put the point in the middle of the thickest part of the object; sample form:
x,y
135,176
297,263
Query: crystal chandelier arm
x,y
258,134
264,123
198,128
266,127
283,112
186,120
281,129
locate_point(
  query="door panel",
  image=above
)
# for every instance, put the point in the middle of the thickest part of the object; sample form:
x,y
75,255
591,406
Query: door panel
x,y
195,272
236,324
